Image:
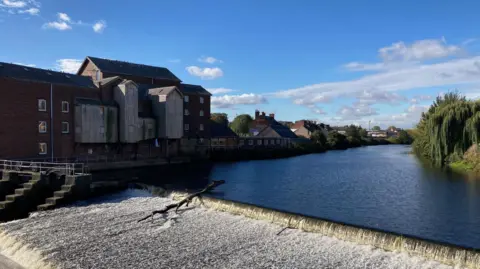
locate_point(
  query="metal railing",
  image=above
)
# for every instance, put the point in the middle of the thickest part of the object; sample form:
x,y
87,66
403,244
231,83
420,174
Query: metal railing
x,y
41,167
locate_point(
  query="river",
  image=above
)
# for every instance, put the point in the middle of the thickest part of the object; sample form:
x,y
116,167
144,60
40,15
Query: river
x,y
381,187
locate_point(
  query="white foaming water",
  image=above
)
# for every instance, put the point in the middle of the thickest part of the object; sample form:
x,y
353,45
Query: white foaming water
x,y
106,234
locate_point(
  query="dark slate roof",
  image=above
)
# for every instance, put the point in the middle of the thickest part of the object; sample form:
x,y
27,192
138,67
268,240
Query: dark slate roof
x,y
21,72
162,90
106,81
220,130
193,89
91,101
143,90
280,129
126,68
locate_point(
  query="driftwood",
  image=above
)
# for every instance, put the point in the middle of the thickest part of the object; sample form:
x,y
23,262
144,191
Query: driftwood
x,y
187,200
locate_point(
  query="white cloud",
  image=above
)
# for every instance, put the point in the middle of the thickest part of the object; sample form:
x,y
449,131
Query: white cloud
x,y
63,17
175,61
229,101
31,11
356,111
29,65
205,73
380,97
61,26
68,65
317,110
99,26
419,98
418,51
400,55
219,90
209,60
460,71
14,4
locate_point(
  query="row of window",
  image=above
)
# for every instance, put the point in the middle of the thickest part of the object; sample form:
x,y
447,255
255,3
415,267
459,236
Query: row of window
x,y
188,112
42,106
186,99
260,142
42,127
187,127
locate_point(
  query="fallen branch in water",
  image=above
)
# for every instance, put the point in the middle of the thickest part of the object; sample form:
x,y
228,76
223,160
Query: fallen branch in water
x,y
187,200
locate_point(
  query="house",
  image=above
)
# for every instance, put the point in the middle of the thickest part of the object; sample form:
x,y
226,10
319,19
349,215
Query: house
x,y
378,134
222,137
261,121
304,128
196,118
341,130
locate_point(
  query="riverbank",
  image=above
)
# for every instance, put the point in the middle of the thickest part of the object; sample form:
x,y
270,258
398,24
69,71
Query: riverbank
x,y
106,234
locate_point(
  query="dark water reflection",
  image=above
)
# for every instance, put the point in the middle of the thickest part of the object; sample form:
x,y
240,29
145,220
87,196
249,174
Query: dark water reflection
x,y
381,187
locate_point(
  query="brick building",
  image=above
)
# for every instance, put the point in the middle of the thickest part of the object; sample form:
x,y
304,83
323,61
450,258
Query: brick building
x,y
37,110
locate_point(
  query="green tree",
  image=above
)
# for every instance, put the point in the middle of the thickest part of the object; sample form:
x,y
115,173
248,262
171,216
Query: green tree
x,y
363,133
404,137
337,141
376,128
391,127
221,118
241,124
319,138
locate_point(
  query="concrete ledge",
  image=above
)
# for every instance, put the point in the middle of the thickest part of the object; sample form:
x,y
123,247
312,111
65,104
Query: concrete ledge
x,y
6,263
94,167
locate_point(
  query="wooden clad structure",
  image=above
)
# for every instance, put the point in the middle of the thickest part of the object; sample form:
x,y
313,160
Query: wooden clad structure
x,y
167,106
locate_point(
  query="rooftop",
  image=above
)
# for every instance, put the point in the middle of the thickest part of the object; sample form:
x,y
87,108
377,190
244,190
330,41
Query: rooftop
x,y
126,68
194,89
21,72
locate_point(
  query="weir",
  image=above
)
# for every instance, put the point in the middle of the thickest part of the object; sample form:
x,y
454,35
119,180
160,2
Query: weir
x,y
445,253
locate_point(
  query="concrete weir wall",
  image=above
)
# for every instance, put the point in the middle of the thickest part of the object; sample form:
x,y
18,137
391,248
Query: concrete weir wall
x,y
447,254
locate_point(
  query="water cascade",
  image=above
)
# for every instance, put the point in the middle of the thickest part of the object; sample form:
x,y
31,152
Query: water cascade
x,y
448,254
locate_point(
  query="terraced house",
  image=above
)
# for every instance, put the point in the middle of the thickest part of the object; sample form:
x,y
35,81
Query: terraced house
x,y
109,110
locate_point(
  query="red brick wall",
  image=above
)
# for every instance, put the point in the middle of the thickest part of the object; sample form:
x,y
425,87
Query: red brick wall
x,y
18,108
194,119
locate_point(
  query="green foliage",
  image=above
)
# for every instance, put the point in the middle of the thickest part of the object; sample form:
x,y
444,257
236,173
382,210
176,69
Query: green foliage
x,y
319,138
221,118
376,128
363,133
402,138
241,124
337,141
448,128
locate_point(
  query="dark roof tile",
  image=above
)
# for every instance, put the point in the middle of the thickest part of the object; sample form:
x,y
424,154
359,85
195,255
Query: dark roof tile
x,y
126,68
21,72
220,130
193,89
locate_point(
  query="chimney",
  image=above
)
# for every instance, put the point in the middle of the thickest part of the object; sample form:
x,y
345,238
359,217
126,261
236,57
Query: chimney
x,y
257,113
263,113
272,115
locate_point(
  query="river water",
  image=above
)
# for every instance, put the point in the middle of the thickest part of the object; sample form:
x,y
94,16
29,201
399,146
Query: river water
x,y
381,187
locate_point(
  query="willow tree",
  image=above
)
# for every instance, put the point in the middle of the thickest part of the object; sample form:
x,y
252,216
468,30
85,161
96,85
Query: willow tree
x,y
448,128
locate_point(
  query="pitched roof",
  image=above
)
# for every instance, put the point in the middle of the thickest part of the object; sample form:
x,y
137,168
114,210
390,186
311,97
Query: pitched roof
x,y
220,130
106,81
281,130
193,89
164,90
21,72
126,68
309,125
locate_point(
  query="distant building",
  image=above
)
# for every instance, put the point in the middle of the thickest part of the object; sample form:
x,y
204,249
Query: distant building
x,y
305,128
340,129
378,134
222,137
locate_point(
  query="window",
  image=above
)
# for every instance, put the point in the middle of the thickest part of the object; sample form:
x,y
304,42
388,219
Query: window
x,y
201,100
201,140
259,142
42,105
42,148
266,142
42,127
201,113
102,130
278,141
241,142
65,127
186,127
250,142
187,112
201,127
185,98
272,142
97,75
65,107
150,130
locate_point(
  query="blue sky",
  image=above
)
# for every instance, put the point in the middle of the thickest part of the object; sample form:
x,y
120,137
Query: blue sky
x,y
339,62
